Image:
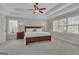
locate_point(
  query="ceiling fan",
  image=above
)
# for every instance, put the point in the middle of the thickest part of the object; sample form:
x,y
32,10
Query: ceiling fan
x,y
37,10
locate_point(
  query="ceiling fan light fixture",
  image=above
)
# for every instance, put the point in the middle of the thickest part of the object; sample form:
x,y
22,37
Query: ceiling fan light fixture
x,y
37,11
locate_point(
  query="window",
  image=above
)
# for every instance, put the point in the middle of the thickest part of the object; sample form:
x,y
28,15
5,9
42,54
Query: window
x,y
59,25
70,25
73,24
13,26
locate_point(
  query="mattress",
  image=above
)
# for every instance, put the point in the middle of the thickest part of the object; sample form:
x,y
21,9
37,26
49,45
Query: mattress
x,y
36,34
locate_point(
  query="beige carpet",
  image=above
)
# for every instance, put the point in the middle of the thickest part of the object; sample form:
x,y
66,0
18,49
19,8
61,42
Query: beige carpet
x,y
55,47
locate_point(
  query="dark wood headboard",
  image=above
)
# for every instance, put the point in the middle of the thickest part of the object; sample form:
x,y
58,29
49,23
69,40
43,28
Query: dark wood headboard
x,y
32,27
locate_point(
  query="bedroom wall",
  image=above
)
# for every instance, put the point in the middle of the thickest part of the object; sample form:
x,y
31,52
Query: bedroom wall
x,y
68,37
22,22
2,28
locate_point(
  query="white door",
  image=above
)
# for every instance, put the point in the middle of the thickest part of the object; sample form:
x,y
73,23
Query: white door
x,y
2,28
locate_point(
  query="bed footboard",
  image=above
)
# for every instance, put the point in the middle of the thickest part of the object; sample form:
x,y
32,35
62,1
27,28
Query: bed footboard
x,y
37,39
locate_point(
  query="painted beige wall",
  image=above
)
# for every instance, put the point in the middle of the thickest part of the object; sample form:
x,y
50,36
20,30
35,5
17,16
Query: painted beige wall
x,y
22,22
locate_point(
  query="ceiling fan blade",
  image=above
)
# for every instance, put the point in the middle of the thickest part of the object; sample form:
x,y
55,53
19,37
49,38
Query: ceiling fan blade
x,y
40,11
35,7
42,8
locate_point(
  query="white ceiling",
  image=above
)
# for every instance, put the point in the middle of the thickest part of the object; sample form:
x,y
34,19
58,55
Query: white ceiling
x,y
25,6
21,9
52,9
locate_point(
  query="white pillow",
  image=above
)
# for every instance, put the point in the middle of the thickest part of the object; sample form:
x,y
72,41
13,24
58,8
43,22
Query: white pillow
x,y
29,30
39,30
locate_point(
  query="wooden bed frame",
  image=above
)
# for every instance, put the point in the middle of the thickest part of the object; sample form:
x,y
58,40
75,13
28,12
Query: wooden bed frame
x,y
37,39
32,27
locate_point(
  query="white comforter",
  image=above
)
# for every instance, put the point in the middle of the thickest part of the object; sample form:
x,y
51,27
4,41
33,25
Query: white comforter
x,y
36,34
